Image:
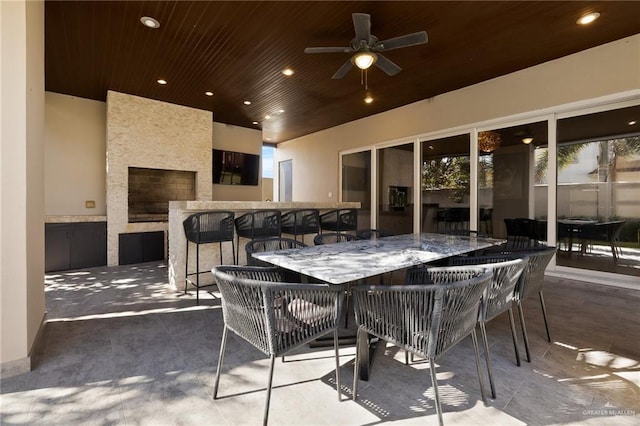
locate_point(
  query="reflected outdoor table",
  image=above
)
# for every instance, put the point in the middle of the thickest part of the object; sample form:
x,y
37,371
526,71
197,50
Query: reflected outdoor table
x,y
568,228
348,262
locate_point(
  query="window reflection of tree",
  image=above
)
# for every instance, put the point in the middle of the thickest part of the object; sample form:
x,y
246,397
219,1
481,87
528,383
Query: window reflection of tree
x,y
447,173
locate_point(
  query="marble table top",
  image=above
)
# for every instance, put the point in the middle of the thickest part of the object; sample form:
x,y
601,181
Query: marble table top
x,y
350,261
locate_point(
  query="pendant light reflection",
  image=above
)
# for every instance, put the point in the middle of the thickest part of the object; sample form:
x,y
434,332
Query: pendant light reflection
x,y
488,141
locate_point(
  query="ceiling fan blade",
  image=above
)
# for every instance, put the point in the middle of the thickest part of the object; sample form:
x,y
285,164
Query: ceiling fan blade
x,y
328,50
387,66
413,39
343,70
362,25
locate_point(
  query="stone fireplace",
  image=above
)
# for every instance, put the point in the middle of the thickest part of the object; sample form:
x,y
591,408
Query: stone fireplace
x,y
150,191
164,150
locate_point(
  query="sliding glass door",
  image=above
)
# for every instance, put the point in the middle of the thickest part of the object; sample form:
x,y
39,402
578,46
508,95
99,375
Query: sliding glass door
x,y
395,189
356,184
598,191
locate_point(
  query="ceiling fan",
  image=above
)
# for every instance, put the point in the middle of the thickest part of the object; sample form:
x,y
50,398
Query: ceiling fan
x,y
366,48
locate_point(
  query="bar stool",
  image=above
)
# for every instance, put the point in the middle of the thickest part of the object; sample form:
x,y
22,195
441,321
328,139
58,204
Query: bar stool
x,y
206,228
301,222
258,224
339,220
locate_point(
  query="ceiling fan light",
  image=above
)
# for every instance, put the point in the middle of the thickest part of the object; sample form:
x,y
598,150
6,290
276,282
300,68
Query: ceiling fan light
x,y
364,60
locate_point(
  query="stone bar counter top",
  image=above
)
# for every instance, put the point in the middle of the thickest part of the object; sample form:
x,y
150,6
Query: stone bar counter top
x,y
74,219
209,253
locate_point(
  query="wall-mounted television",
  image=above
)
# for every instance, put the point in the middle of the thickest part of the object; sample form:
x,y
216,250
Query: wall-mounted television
x,y
235,168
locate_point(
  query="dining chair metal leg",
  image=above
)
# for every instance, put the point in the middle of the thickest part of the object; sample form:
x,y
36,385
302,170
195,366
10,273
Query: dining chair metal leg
x,y
483,331
477,353
524,332
434,381
544,315
356,366
269,385
237,254
514,337
335,346
223,345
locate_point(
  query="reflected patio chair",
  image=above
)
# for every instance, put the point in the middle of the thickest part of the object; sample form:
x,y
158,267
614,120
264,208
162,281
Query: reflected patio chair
x,y
332,237
425,319
275,317
498,298
607,232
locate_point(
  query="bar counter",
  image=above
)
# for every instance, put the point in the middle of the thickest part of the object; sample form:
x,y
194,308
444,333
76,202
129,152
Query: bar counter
x,y
209,253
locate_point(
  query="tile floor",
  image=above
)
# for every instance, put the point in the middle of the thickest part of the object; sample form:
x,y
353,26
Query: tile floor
x,y
120,349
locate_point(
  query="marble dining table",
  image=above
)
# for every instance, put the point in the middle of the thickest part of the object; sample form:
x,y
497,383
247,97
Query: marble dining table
x,y
349,262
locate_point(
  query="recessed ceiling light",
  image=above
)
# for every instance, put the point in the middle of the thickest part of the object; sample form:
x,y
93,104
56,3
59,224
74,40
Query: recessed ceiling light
x,y
288,72
632,123
161,81
247,102
267,139
267,117
208,93
588,18
254,122
150,22
368,99
431,147
280,111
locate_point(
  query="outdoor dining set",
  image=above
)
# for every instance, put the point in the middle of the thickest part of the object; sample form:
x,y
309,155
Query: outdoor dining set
x,y
291,294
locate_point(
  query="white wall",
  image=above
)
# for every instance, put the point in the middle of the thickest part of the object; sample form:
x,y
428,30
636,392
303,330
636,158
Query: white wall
x,y
233,138
75,156
604,70
21,182
75,152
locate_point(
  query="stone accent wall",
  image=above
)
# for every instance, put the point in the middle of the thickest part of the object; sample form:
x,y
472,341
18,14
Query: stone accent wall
x,y
151,134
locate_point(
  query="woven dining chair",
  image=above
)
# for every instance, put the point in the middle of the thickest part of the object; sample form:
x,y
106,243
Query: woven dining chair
x,y
260,245
498,298
531,281
332,237
273,316
371,234
273,244
427,320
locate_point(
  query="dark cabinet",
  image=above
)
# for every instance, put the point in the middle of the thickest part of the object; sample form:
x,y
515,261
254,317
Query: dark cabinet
x,y
75,245
139,247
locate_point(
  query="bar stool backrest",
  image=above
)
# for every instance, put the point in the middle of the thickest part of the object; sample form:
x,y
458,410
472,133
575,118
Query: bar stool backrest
x,y
209,227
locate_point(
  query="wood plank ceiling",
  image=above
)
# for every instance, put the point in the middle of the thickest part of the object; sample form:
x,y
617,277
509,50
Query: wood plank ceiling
x,y
237,50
